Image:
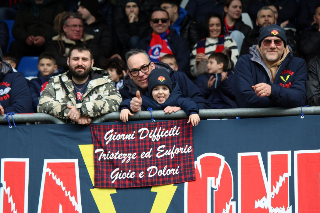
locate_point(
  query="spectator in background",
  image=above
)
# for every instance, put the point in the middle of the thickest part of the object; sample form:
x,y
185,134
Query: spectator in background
x,y
34,27
181,21
213,41
117,70
310,39
305,14
313,83
12,60
93,25
288,26
233,24
131,25
270,76
265,17
80,94
163,41
70,32
171,61
217,86
46,65
14,91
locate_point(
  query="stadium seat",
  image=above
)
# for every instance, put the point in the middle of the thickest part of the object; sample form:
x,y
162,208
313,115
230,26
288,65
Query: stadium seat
x,y
10,24
28,66
247,20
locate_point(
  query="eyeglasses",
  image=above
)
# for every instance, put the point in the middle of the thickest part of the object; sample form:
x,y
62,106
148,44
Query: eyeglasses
x,y
144,69
74,26
156,20
268,42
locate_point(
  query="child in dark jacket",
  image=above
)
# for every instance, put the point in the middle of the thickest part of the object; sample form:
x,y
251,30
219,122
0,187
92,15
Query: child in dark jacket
x,y
163,95
46,65
217,86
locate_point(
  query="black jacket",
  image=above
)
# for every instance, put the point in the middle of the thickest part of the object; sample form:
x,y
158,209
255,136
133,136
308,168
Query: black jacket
x,y
313,82
27,23
189,30
102,35
309,43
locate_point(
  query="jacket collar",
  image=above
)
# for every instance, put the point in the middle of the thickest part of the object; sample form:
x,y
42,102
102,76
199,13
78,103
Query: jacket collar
x,y
68,41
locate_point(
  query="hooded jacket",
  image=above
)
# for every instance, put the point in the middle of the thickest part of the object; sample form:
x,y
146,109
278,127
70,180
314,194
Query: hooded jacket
x,y
188,88
100,97
14,91
287,90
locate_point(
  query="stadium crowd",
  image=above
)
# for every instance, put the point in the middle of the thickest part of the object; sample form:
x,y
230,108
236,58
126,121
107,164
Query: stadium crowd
x,y
95,56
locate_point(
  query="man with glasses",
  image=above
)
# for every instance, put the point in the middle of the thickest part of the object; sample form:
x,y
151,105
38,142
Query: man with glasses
x,y
136,82
70,32
270,76
33,27
164,41
183,24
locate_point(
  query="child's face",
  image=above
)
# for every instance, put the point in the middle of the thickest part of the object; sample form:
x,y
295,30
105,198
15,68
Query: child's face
x,y
113,74
160,93
214,67
171,62
46,67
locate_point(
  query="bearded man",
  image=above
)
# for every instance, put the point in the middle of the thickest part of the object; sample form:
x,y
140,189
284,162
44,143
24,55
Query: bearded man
x,y
270,76
79,94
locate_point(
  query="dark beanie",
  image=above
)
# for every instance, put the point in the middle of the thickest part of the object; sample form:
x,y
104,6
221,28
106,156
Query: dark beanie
x,y
272,30
134,1
159,77
91,5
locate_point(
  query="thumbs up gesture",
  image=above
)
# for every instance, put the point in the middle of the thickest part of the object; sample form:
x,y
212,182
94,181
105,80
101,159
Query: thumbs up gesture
x,y
136,102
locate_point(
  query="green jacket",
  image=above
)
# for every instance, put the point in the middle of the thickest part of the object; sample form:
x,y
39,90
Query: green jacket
x,y
100,97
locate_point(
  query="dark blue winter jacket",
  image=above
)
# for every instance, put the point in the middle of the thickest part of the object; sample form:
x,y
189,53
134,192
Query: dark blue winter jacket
x,y
221,94
188,88
175,99
179,47
36,87
287,90
14,91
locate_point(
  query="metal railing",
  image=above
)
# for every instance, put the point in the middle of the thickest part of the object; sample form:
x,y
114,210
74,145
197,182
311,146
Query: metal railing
x,y
160,115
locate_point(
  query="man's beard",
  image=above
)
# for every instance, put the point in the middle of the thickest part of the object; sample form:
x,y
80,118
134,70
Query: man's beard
x,y
79,76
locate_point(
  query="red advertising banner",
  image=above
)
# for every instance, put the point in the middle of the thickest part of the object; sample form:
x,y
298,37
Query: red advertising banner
x,y
143,154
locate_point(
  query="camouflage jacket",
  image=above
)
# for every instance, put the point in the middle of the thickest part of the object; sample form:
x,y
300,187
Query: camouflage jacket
x,y
100,97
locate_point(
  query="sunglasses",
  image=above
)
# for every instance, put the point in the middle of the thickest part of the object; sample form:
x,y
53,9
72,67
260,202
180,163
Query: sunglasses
x,y
268,42
163,20
144,69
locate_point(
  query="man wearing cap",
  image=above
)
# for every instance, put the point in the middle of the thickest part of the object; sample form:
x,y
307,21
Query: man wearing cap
x,y
94,25
270,76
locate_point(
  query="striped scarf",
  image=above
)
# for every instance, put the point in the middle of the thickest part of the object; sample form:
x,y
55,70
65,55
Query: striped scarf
x,y
202,45
159,46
